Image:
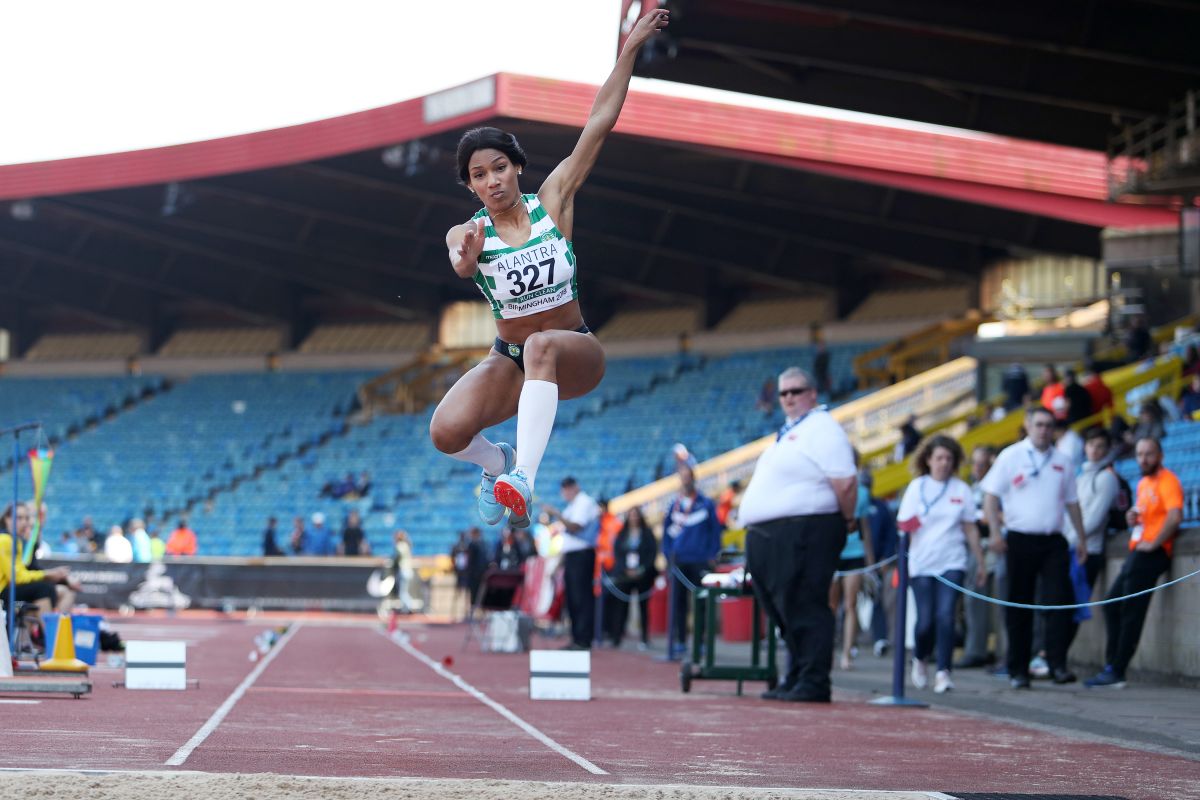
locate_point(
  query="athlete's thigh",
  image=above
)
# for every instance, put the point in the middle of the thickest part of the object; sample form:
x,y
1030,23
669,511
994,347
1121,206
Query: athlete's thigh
x,y
579,364
485,396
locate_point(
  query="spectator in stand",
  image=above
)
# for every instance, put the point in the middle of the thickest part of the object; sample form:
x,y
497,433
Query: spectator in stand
x,y
1191,360
728,502
581,520
1138,341
116,547
1015,385
1035,484
318,540
910,438
270,545
821,370
691,543
1189,401
1097,487
1079,399
139,540
297,538
881,521
67,544
36,586
158,548
182,541
797,509
1096,388
508,555
766,397
938,513
1068,442
634,571
1053,399
1149,423
1155,521
856,555
525,548
362,486
402,571
354,538
977,614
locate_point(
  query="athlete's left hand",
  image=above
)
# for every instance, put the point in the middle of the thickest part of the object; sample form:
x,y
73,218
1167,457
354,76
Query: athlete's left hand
x,y
647,26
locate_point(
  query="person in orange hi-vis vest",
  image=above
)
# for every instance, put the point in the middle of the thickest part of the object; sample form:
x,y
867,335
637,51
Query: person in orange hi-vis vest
x,y
1154,522
610,526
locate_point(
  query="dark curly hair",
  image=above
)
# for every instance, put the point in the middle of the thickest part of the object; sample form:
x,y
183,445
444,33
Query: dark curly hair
x,y
483,139
920,461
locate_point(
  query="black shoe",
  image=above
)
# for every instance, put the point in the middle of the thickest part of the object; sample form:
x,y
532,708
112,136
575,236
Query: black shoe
x,y
1062,676
574,646
1019,682
777,693
804,696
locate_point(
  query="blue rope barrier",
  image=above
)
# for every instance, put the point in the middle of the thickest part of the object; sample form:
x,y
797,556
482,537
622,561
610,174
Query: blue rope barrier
x,y
863,570
691,587
1034,607
612,589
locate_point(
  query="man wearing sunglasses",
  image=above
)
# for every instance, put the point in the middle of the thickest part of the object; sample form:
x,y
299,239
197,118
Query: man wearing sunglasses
x,y
797,511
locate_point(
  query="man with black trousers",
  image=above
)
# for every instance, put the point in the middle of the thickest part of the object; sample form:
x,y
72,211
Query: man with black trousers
x,y
797,511
581,521
691,541
1036,484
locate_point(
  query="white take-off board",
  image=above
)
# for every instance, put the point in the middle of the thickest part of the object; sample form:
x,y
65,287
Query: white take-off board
x,y
156,665
560,675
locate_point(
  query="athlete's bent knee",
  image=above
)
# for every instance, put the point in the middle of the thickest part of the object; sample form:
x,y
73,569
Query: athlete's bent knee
x,y
539,353
445,438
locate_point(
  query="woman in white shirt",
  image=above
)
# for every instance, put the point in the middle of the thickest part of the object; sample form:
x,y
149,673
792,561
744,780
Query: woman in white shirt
x,y
938,513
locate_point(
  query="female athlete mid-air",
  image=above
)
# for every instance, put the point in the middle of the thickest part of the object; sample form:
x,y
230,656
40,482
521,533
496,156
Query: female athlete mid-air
x,y
517,250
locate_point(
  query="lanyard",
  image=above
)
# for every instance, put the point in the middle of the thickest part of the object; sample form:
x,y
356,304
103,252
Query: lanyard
x,y
1033,461
787,426
930,504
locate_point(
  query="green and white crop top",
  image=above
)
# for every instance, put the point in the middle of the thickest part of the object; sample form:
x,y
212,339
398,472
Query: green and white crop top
x,y
537,276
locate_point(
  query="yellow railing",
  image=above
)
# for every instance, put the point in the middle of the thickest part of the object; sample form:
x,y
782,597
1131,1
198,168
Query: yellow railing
x,y
911,354
1151,378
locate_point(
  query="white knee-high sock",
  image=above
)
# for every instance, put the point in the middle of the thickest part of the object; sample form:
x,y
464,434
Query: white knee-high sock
x,y
482,452
535,418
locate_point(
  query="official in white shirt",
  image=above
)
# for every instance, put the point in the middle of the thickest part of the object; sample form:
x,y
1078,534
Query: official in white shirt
x,y
797,511
938,512
1036,484
581,518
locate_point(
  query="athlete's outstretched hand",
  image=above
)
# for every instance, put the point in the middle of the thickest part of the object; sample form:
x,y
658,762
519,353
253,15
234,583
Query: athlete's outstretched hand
x,y
472,243
647,26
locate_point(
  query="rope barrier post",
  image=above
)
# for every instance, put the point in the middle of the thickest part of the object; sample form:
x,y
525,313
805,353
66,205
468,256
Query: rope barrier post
x,y
897,697
670,654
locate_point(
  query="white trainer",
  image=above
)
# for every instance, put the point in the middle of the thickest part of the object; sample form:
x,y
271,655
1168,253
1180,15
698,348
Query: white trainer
x,y
920,679
942,682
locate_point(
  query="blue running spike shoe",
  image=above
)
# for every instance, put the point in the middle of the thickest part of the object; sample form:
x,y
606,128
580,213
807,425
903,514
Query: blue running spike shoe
x,y
512,492
490,511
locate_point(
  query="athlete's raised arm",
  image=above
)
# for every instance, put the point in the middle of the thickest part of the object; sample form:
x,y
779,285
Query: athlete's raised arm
x,y
560,186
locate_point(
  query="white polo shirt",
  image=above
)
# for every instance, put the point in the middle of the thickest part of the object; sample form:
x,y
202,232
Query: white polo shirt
x,y
1033,487
581,511
792,477
940,544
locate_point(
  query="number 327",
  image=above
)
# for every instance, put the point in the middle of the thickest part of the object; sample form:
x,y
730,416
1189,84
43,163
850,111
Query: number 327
x,y
515,275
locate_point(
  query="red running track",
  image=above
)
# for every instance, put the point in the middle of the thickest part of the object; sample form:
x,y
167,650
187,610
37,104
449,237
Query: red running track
x,y
344,700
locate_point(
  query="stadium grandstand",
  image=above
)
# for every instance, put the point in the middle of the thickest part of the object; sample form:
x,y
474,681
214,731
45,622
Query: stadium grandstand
x,y
247,337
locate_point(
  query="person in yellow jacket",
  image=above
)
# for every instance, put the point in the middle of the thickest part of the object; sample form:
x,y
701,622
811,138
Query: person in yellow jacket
x,y
32,585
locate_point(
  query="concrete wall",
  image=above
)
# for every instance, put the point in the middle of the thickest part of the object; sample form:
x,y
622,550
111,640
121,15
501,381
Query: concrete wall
x,y
1170,644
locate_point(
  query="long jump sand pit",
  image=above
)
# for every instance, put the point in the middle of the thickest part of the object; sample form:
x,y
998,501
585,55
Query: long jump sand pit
x,y
212,786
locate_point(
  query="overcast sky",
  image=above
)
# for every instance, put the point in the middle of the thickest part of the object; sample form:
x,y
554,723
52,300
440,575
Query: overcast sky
x,y
81,78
